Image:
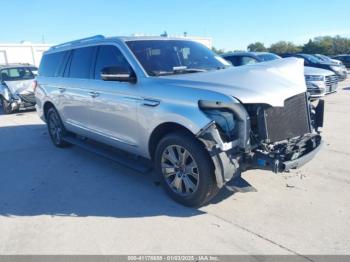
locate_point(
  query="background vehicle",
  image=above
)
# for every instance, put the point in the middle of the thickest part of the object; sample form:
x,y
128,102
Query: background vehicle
x,y
313,61
344,58
176,102
328,59
318,81
17,87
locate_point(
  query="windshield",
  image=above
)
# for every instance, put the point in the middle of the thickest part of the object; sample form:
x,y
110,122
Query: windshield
x,y
165,57
312,59
268,57
322,57
18,73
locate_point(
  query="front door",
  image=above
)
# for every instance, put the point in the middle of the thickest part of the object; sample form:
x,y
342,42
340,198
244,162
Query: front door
x,y
114,111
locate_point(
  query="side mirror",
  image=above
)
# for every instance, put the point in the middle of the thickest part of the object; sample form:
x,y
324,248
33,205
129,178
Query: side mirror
x,y
115,73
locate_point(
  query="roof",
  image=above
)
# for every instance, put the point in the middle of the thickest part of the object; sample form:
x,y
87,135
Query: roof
x,y
15,65
341,55
101,38
245,53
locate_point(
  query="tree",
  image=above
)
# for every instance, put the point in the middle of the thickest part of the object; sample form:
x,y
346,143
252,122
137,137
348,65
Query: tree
x,y
282,47
256,47
218,51
327,45
312,47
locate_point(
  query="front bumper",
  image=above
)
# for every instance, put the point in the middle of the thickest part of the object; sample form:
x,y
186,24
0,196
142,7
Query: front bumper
x,y
316,92
305,150
18,104
342,75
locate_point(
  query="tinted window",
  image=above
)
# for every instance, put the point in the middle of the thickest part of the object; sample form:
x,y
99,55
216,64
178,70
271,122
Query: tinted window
x,y
246,60
346,58
81,61
232,59
109,56
268,57
50,64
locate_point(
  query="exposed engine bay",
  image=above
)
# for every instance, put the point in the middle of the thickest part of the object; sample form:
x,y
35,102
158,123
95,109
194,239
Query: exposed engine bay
x,y
259,136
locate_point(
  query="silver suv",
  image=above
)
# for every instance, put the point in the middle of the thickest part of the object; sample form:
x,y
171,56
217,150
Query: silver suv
x,y
175,102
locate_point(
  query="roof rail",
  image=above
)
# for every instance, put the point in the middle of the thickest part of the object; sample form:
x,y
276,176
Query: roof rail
x,y
87,39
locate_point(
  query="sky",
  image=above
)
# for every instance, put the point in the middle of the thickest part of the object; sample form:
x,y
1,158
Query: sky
x,y
233,24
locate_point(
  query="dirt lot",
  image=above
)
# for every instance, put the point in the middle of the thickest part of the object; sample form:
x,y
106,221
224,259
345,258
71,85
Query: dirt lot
x,y
69,201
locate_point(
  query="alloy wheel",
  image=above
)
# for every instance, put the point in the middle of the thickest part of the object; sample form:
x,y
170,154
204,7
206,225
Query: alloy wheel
x,y
180,170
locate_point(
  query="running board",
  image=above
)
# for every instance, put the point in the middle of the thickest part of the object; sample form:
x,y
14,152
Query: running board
x,y
133,162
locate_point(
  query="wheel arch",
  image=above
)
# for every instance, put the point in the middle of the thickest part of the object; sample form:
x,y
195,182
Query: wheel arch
x,y
46,108
162,130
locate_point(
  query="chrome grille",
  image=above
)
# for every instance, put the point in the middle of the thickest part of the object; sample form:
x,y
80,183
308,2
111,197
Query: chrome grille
x,y
331,83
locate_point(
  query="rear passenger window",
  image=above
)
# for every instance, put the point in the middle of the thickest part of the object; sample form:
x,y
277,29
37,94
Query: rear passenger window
x,y
81,62
232,60
50,64
109,55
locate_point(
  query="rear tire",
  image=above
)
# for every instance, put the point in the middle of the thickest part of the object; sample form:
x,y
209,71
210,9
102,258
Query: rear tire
x,y
6,107
56,128
186,169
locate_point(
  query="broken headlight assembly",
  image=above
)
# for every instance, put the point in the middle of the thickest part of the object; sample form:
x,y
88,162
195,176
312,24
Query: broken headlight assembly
x,y
224,120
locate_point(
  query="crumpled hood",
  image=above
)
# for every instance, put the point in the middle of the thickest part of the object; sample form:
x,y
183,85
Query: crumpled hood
x,y
269,82
22,87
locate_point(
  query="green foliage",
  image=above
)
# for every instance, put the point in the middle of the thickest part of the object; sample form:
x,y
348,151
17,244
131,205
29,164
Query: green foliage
x,y
282,47
327,45
257,47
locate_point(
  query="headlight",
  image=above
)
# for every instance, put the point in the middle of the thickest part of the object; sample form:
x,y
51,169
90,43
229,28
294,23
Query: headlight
x,y
313,85
314,78
336,68
223,119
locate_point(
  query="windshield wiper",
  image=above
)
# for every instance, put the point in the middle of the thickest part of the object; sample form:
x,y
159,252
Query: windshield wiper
x,y
179,71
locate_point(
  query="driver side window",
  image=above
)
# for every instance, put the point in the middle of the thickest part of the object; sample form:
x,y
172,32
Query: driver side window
x,y
109,56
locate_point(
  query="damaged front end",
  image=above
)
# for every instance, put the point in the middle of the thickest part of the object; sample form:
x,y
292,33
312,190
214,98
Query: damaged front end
x,y
18,99
258,136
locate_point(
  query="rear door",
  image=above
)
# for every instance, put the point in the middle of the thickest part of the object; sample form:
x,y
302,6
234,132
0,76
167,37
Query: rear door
x,y
76,90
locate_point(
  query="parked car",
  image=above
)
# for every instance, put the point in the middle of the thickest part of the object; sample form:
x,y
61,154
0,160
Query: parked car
x,y
345,59
173,101
17,87
328,59
318,81
313,61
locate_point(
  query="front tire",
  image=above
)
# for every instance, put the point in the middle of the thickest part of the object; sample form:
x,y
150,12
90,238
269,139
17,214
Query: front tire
x,y
56,128
186,169
6,107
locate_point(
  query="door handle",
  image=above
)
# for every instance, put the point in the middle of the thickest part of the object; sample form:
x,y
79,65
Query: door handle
x,y
61,89
94,94
150,102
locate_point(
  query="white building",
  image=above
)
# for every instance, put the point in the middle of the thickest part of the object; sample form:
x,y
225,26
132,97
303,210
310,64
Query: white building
x,y
207,41
22,53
